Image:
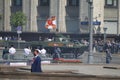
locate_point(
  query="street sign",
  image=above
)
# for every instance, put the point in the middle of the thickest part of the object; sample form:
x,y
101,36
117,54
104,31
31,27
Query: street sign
x,y
19,29
94,23
84,23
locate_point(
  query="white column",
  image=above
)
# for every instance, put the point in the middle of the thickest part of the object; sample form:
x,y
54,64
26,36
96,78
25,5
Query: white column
x,y
57,8
118,27
34,4
30,9
7,14
26,11
54,11
98,13
79,14
53,7
1,14
62,13
83,16
83,10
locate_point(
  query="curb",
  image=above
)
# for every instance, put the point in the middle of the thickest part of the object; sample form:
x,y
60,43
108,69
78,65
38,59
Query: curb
x,y
111,67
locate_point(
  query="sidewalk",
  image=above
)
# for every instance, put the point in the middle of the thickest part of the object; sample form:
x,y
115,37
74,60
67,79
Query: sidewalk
x,y
96,70
100,58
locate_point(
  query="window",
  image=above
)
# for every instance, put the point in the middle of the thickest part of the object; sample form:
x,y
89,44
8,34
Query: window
x,y
111,3
73,2
44,2
17,2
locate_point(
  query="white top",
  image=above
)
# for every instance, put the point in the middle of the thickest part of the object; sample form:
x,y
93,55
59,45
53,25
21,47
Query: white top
x,y
12,50
54,22
43,51
27,51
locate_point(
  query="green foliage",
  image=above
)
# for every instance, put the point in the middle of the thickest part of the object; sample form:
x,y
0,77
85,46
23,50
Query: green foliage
x,y
18,19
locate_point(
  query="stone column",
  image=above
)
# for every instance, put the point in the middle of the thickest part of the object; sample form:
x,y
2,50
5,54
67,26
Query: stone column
x,y
53,7
83,10
1,14
34,4
98,14
79,14
83,16
118,26
57,8
7,14
30,9
54,11
61,15
26,11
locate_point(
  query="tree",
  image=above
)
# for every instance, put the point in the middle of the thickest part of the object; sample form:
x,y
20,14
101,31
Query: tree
x,y
18,19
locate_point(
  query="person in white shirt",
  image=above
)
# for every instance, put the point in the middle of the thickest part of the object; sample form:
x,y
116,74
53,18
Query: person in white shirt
x,y
12,52
43,52
27,51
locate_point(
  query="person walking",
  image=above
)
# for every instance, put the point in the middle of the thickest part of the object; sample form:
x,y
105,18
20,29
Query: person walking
x,y
57,53
12,52
27,51
5,53
43,52
108,56
36,65
108,52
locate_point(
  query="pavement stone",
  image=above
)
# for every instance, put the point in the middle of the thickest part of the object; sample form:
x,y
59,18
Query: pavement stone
x,y
80,69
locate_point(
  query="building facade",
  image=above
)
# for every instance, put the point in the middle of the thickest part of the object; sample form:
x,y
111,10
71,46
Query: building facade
x,y
72,15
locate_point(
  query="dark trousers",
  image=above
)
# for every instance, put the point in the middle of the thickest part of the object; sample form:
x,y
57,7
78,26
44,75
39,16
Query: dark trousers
x,y
11,56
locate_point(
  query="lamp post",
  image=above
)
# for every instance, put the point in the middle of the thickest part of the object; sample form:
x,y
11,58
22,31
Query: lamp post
x,y
90,14
105,29
19,31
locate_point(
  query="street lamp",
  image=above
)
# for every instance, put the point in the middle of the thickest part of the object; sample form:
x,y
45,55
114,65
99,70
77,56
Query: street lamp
x,y
19,31
90,14
105,29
